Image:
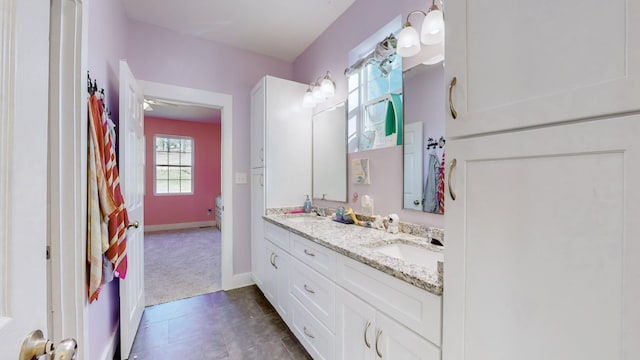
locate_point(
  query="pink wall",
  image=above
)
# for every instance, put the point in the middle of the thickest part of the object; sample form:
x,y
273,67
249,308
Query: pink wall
x,y
174,209
159,55
107,35
330,52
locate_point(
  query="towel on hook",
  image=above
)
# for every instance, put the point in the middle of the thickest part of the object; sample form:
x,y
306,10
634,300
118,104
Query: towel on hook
x,y
393,123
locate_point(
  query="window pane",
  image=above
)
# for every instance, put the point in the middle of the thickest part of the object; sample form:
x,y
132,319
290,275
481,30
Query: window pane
x,y
162,186
185,159
174,158
354,81
162,158
161,144
395,81
354,101
185,173
174,145
376,114
174,186
162,173
185,186
174,173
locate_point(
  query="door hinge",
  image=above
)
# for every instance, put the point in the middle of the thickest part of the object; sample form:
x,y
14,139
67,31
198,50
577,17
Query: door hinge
x,y
48,252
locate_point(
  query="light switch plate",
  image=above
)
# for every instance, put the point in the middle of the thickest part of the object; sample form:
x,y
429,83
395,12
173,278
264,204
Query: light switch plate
x,y
241,178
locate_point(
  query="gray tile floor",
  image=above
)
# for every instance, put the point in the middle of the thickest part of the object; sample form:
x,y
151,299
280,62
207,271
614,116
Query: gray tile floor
x,y
236,325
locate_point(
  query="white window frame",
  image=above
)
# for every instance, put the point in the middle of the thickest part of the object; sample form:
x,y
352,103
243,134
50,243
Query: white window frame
x,y
155,165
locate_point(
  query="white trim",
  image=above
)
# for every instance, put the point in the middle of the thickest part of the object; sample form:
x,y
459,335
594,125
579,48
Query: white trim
x,y
67,159
110,350
240,280
178,226
7,58
216,100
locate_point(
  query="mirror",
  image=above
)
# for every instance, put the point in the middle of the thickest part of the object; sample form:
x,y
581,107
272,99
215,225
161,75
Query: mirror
x,y
424,142
330,154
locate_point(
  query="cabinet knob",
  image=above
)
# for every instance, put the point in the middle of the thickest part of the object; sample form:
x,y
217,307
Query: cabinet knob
x,y
454,113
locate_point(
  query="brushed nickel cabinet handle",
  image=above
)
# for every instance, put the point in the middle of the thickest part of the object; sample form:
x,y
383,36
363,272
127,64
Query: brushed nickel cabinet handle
x,y
261,154
262,180
306,332
377,342
452,165
275,256
308,289
452,108
366,330
309,252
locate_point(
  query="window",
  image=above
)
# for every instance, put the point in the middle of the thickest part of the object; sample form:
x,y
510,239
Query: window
x,y
369,90
173,165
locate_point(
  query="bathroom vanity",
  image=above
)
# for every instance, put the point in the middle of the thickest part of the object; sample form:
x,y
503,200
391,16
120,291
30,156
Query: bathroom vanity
x,y
350,292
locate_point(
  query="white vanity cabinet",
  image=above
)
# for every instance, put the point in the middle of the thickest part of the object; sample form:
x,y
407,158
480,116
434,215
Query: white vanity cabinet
x,y
542,244
364,333
525,63
257,232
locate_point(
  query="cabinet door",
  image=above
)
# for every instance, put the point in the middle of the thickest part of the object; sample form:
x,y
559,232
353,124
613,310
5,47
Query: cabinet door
x,y
394,341
257,124
257,228
288,143
281,262
269,281
523,63
355,327
542,244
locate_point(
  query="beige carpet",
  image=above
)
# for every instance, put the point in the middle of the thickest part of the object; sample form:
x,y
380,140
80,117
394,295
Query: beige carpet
x,y
181,264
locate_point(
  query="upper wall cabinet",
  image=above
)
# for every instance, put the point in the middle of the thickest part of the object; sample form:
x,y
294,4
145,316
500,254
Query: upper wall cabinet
x,y
522,63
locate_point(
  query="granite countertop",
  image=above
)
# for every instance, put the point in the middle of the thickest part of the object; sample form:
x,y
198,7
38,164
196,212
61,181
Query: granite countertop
x,y
358,243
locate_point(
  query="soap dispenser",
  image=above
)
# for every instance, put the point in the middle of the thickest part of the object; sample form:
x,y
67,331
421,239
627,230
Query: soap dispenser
x,y
307,205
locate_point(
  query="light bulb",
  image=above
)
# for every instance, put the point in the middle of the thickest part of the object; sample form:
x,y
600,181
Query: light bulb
x,y
307,99
433,27
408,42
317,94
327,87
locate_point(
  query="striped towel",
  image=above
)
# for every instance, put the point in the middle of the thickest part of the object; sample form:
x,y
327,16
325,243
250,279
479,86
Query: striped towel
x,y
107,217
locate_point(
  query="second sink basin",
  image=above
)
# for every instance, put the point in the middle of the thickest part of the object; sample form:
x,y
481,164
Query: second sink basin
x,y
411,254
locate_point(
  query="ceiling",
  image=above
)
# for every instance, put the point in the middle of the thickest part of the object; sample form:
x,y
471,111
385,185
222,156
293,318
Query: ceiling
x,y
186,112
281,29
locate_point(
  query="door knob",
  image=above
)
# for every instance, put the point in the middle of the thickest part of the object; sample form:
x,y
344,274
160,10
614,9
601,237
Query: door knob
x,y
134,224
416,202
35,345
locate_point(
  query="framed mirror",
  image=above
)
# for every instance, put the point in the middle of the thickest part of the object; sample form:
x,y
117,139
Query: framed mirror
x,y
330,154
424,142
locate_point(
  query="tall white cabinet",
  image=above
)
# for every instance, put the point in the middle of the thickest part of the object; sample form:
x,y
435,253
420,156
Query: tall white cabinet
x,y
542,251
280,157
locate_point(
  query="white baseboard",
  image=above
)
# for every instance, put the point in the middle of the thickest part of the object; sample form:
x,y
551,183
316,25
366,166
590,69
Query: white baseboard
x,y
179,226
110,350
240,280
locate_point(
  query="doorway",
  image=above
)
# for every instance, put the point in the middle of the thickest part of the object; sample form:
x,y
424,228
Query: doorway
x,y
223,102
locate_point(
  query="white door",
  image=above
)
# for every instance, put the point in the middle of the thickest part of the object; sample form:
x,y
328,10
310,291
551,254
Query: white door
x,y
542,244
413,166
131,142
355,327
520,63
24,69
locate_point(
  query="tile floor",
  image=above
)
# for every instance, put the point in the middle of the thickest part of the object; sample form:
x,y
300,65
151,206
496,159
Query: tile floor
x,y
236,325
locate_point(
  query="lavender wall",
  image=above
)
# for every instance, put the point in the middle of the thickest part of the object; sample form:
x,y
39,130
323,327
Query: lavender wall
x,y
184,208
159,55
107,33
329,52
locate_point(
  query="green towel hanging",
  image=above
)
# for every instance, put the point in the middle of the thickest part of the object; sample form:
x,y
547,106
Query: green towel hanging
x,y
393,122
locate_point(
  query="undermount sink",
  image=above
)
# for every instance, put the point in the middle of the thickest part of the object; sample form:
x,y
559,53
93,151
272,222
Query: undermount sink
x,y
411,254
302,219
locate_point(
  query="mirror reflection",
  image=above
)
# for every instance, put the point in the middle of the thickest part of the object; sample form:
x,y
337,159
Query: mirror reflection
x,y
330,154
424,142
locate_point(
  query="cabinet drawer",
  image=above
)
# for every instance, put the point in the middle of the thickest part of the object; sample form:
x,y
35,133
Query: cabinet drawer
x,y
316,256
315,292
316,338
277,235
417,309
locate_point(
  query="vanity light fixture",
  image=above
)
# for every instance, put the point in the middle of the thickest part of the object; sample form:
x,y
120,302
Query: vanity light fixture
x,y
431,34
319,91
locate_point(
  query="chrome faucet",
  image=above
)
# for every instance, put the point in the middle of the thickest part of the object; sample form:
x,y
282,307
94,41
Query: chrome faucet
x,y
319,211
